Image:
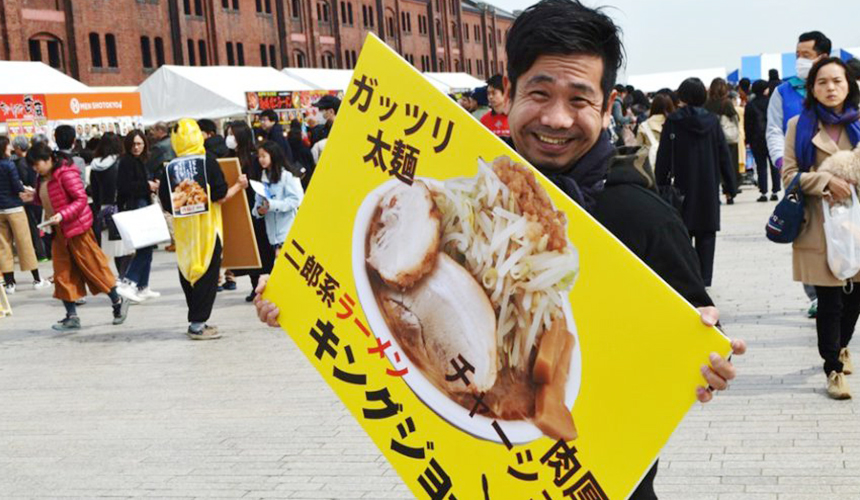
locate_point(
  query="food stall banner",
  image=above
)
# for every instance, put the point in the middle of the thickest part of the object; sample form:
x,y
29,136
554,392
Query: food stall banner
x,y
15,107
95,105
489,335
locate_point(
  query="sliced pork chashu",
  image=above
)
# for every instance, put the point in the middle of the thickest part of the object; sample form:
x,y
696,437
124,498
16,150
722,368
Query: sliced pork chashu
x,y
404,235
444,316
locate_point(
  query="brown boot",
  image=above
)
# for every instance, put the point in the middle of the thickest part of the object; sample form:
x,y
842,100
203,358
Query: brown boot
x,y
845,359
837,387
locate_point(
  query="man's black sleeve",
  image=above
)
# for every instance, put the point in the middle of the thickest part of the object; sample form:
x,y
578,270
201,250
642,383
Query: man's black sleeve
x,y
217,185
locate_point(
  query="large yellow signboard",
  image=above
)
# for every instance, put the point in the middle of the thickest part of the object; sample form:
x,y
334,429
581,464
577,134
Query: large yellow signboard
x,y
490,336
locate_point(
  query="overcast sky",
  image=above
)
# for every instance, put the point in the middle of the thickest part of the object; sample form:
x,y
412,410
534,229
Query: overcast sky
x,y
674,35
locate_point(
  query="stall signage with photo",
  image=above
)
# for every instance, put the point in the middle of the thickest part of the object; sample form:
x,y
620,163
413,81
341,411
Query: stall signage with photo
x,y
96,105
186,180
22,107
261,101
489,335
290,105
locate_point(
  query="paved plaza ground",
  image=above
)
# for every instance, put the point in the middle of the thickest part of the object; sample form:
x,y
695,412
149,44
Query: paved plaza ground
x,y
141,411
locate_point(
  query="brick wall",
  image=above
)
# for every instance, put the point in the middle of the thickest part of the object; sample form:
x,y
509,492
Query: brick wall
x,y
316,33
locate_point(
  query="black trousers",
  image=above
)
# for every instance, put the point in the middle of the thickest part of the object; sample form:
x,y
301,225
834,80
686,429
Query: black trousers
x,y
705,243
764,167
34,216
837,316
201,296
645,490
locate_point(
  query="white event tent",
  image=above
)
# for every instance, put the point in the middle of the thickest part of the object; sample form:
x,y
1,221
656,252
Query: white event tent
x,y
321,79
655,81
455,82
175,92
24,77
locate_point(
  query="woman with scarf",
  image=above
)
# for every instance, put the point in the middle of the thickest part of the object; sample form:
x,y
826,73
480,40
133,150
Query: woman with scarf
x,y
827,125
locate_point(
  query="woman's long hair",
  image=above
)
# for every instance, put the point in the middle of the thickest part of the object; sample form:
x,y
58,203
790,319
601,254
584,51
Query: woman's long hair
x,y
4,143
244,147
128,143
40,151
279,161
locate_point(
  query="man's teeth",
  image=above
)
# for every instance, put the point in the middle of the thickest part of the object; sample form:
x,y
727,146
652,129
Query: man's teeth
x,y
551,140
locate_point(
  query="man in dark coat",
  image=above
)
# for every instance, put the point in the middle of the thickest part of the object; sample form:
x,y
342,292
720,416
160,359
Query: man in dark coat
x,y
214,142
694,151
161,152
755,130
273,131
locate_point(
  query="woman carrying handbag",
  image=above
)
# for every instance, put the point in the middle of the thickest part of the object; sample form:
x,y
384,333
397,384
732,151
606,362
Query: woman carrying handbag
x,y
828,124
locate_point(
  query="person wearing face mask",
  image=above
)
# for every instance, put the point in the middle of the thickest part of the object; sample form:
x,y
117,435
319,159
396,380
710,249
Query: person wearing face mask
x,y
828,123
786,101
328,106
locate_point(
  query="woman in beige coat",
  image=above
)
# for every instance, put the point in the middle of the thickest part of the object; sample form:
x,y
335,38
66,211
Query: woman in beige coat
x,y
661,107
828,124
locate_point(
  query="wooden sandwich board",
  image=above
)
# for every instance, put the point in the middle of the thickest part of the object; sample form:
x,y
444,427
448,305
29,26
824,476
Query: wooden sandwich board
x,y
240,244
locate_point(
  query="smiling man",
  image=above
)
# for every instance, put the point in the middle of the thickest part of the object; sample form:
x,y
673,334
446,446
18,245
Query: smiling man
x,y
563,58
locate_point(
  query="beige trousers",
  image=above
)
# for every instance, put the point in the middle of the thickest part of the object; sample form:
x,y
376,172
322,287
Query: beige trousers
x,y
15,230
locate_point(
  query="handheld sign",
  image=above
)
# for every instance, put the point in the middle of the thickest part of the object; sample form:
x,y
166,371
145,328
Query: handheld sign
x,y
489,335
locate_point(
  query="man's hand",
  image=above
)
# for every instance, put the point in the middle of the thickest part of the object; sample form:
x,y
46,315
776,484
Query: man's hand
x,y
721,371
266,311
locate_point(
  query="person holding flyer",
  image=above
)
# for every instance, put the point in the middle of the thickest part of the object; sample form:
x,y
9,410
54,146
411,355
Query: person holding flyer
x,y
78,261
279,194
194,186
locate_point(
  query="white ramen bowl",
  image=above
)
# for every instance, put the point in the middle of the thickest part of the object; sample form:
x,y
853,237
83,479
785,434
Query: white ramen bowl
x,y
517,431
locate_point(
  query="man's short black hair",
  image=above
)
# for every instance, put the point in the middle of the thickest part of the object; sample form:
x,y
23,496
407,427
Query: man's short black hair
x,y
270,115
854,65
564,27
620,88
328,102
693,92
64,136
207,126
496,82
822,43
744,84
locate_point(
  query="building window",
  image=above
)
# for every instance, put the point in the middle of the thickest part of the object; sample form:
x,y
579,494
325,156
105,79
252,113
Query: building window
x,y
240,53
343,13
201,46
145,52
235,4
469,65
192,57
110,47
328,60
477,34
225,4
259,5
364,16
453,30
301,62
442,65
264,6
264,55
198,7
159,51
231,57
480,65
454,6
456,65
409,22
349,12
186,6
296,9
35,50
346,60
390,27
273,62
439,29
465,32
370,15
438,6
268,6
323,13
95,50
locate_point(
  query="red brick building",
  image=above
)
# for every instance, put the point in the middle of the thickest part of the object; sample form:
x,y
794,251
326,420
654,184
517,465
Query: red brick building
x,y
121,42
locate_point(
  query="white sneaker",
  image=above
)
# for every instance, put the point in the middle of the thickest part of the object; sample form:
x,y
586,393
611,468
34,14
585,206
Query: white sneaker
x,y
42,284
129,293
148,293
10,289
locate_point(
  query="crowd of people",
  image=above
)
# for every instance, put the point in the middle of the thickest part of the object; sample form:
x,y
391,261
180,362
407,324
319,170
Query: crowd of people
x,y
58,197
653,168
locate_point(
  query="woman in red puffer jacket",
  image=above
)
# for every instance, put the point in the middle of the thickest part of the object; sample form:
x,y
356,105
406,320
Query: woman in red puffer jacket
x,y
78,261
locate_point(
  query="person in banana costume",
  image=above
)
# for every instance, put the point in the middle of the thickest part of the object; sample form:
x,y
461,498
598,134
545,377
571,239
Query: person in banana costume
x,y
199,237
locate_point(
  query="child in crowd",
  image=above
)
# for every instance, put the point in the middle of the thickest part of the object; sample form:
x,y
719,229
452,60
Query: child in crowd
x,y
283,193
199,237
78,261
